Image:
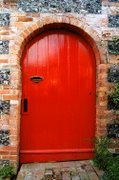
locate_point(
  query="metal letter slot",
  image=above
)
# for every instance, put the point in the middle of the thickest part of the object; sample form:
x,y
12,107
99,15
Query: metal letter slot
x,y
36,79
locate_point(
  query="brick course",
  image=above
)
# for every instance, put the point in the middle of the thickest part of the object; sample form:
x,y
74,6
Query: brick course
x,y
20,26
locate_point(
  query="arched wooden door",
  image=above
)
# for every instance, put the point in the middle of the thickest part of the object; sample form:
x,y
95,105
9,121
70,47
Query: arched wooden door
x,y
58,99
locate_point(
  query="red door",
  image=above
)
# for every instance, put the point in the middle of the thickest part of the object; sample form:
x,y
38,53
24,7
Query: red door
x,y
58,99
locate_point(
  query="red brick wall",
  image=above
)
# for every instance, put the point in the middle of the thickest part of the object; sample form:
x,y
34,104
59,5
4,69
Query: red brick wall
x,y
25,26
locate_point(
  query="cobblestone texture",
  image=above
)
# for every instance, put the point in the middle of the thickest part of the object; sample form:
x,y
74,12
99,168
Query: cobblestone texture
x,y
113,130
114,20
4,46
4,19
4,162
113,73
111,104
4,107
113,0
59,6
4,76
4,137
113,47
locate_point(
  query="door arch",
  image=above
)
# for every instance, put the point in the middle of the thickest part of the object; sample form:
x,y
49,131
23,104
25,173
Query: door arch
x,y
58,113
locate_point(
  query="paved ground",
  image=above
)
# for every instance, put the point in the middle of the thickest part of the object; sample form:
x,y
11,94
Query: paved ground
x,y
73,170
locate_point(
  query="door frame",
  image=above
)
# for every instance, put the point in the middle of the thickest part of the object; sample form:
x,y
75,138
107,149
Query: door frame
x,y
90,36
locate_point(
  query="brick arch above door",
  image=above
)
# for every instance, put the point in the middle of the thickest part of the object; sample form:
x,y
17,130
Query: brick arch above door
x,y
66,21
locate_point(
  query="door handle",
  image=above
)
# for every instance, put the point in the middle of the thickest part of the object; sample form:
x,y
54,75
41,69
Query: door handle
x,y
25,105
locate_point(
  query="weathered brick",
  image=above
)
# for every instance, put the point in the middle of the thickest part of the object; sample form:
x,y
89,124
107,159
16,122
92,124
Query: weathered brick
x,y
114,20
24,19
95,21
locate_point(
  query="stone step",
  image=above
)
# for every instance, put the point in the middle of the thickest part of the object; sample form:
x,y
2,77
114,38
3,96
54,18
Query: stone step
x,y
76,178
90,172
84,176
79,170
48,175
57,174
66,175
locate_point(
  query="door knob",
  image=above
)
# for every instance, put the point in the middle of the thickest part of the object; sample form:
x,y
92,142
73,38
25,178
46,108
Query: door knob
x,y
36,79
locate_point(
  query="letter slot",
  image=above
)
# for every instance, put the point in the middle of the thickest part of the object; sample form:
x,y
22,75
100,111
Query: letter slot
x,y
36,79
